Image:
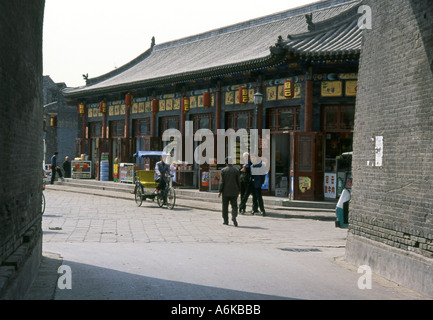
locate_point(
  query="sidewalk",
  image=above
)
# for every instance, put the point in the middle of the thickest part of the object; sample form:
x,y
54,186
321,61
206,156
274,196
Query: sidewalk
x,y
274,206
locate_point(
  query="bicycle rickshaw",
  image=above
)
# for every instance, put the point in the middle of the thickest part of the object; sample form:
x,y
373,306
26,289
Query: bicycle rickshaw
x,y
146,187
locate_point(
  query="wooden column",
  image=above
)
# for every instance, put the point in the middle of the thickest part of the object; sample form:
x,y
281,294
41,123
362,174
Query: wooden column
x,y
217,118
83,128
308,106
218,108
153,124
127,133
182,128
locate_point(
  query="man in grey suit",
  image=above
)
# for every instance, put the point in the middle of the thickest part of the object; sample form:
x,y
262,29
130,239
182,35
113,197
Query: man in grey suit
x,y
229,188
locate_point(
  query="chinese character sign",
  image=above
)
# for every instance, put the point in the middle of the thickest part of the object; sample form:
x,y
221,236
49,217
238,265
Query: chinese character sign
x,y
330,185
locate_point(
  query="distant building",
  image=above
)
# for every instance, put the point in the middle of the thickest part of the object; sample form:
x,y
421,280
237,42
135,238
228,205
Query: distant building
x,y
60,122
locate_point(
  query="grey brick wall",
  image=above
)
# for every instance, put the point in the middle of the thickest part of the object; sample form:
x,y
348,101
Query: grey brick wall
x,y
392,204
20,141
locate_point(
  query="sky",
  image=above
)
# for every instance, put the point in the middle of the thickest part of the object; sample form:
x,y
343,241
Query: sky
x,y
96,36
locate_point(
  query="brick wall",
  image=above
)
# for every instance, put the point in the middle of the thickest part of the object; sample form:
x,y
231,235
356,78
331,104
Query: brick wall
x,y
20,138
392,202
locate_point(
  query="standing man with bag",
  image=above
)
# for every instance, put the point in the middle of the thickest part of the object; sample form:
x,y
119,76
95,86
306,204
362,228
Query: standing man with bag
x,y
257,182
229,188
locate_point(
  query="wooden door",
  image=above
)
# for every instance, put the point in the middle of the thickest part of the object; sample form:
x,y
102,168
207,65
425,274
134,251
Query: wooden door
x,y
308,172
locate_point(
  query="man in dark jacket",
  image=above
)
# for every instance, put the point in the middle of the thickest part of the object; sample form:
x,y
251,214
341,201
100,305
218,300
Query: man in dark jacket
x,y
229,188
67,167
162,171
55,168
246,186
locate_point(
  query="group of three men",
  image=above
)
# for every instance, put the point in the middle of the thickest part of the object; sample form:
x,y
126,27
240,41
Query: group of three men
x,y
233,182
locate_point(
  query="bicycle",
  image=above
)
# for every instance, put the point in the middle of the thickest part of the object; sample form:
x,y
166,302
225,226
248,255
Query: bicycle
x,y
166,196
43,197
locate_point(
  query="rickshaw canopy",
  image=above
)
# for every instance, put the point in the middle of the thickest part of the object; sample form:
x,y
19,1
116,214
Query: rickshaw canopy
x,y
148,154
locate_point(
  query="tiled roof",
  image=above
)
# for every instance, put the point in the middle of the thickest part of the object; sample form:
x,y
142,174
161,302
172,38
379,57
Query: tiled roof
x,y
336,37
234,48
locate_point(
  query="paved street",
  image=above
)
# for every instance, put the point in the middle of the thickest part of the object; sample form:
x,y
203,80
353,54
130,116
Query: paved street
x,y
116,250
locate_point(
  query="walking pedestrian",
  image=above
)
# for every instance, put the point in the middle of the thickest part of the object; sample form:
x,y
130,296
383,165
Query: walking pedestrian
x,y
246,186
55,168
67,167
229,189
257,182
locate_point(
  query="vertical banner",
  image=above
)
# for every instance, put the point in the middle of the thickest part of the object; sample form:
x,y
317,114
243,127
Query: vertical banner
x,y
330,185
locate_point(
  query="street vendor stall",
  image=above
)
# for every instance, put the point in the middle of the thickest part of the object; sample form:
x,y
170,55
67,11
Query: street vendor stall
x,y
127,172
81,169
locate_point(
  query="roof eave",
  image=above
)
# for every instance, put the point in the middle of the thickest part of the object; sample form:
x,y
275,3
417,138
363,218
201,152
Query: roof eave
x,y
276,57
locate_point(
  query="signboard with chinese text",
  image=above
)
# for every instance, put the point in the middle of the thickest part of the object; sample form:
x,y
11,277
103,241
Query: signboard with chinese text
x,y
81,169
330,185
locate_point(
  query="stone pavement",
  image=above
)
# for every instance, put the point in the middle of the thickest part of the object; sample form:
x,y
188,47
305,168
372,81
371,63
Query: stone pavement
x,y
117,250
274,206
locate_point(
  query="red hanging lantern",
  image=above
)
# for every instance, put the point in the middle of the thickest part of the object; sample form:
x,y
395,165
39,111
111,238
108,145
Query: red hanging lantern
x,y
289,89
243,95
129,99
155,106
207,99
185,105
81,108
102,107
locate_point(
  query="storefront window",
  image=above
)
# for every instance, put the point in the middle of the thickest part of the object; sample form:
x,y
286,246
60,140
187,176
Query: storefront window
x,y
96,130
117,129
171,124
331,118
338,117
284,119
168,123
239,120
347,117
202,121
242,121
304,155
144,128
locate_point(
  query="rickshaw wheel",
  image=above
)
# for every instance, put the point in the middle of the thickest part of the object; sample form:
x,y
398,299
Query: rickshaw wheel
x,y
160,199
171,198
138,197
43,203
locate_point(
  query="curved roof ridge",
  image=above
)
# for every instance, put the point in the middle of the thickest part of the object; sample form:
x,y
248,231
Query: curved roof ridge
x,y
255,22
328,24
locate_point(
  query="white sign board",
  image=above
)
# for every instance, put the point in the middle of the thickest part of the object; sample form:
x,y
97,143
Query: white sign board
x,y
330,185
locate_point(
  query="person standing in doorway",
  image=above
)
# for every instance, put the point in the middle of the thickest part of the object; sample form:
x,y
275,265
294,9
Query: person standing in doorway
x,y
67,167
229,189
55,168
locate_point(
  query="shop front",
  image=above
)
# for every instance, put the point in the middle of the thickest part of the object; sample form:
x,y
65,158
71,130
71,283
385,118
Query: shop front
x,y
338,122
283,123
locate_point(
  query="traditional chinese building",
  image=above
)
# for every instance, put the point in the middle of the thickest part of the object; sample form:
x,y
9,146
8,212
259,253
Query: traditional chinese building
x,y
303,61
